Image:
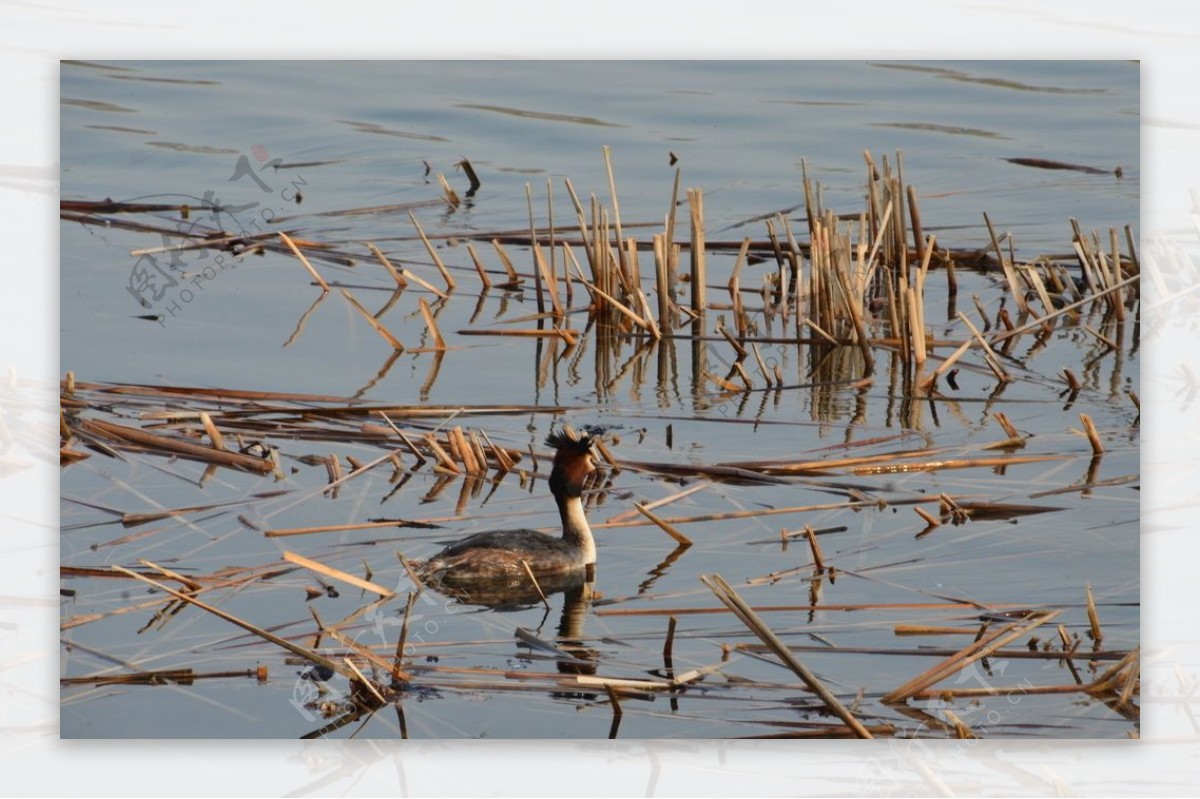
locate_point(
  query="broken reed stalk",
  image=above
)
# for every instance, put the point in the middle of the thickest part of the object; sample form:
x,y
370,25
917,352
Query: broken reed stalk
x,y
918,235
469,171
362,679
1093,616
696,206
430,322
961,730
660,279
514,279
1014,286
401,275
286,239
1041,321
989,355
815,547
612,188
433,254
538,278
295,649
735,294
746,614
679,537
184,676
403,639
391,270
671,250
613,302
483,277
1004,422
975,651
374,323
930,519
625,516
443,459
1093,437
1105,680
451,195
745,377
547,279
334,467
214,434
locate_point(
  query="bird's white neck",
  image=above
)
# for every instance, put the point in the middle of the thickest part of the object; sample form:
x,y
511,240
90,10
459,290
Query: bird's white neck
x,y
575,527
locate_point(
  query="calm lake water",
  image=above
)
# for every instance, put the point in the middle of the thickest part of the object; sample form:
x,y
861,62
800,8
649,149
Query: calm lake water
x,y
295,145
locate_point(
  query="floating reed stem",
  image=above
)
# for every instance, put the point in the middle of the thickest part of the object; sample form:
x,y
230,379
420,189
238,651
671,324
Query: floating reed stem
x,y
286,239
187,449
336,528
295,649
565,335
337,574
746,614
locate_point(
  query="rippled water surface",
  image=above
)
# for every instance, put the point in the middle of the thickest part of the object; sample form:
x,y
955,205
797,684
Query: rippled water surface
x,y
340,154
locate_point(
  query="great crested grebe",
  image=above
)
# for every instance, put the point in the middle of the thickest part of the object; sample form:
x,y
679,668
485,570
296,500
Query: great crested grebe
x,y
492,562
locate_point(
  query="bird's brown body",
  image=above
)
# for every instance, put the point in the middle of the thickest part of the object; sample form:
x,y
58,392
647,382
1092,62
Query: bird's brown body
x,y
497,564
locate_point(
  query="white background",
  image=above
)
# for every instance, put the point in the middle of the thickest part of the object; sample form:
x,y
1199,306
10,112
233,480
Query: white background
x,y
1164,36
